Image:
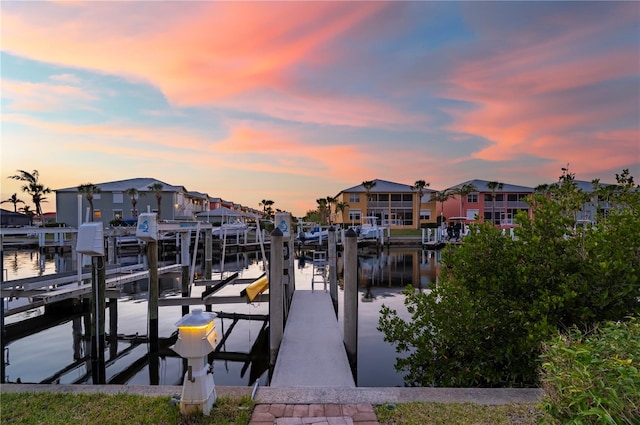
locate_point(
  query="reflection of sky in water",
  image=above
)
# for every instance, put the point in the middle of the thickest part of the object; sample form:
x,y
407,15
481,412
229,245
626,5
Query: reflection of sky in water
x,y
381,279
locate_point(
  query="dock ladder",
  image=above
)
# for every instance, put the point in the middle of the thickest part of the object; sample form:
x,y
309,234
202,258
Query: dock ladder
x,y
319,262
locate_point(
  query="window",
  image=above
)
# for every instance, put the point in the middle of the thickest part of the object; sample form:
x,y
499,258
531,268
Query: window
x,y
471,214
355,216
354,197
117,197
472,198
97,214
425,214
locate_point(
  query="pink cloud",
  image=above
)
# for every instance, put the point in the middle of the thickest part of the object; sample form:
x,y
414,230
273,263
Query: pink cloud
x,y
222,53
27,96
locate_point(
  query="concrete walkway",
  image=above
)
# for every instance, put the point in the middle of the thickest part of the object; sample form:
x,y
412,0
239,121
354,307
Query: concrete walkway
x,y
312,352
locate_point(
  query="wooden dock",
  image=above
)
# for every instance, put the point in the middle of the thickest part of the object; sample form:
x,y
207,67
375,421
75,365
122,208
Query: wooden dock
x,y
312,353
43,290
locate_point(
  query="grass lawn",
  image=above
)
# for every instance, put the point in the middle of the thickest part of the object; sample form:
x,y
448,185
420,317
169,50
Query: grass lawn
x,y
67,408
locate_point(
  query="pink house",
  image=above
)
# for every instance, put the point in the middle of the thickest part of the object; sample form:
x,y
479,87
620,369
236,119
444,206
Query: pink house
x,y
484,200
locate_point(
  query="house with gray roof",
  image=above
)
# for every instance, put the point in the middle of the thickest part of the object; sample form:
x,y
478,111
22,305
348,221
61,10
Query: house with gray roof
x,y
114,202
395,205
497,203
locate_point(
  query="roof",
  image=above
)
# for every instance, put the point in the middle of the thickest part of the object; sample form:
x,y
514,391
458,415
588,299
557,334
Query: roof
x,y
384,186
482,186
11,213
222,212
141,184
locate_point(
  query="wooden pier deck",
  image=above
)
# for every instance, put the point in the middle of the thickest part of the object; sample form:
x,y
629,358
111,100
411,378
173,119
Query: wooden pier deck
x,y
60,287
312,352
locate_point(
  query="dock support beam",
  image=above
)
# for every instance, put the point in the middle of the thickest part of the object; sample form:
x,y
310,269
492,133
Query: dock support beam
x,y
333,265
351,297
185,242
152,257
276,295
98,318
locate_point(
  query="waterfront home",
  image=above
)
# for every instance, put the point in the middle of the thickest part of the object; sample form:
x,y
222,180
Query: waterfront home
x,y
13,219
113,203
395,205
498,205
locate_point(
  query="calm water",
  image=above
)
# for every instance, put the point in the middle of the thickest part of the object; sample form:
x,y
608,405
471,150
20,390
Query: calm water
x,y
59,353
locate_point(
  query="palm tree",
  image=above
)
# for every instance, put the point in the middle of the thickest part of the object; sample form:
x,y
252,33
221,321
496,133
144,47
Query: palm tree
x,y
441,197
266,208
33,188
493,186
419,185
156,188
26,210
322,208
14,200
89,189
330,201
134,194
368,185
464,191
340,208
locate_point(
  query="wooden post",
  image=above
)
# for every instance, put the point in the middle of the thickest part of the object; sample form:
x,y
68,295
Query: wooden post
x,y
185,241
154,293
351,296
3,338
98,274
208,253
276,295
333,264
113,327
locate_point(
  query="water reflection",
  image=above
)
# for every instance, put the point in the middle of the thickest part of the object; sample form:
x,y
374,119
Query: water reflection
x,y
54,346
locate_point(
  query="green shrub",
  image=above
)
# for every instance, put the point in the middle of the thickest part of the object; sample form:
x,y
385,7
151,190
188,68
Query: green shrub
x,y
593,378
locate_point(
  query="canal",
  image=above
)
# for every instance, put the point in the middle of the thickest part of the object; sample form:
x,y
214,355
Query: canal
x,y
56,347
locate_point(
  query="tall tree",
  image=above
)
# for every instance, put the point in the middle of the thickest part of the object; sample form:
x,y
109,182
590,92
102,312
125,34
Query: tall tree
x,y
330,201
26,210
493,187
368,185
322,209
89,189
340,208
267,211
419,186
463,191
442,197
14,200
156,188
499,299
134,194
33,187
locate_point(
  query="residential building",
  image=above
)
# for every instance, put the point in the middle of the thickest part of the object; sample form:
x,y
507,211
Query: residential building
x,y
394,205
498,205
113,203
13,219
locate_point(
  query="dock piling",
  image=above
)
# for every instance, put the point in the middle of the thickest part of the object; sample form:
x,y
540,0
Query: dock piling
x,y
351,296
333,277
276,295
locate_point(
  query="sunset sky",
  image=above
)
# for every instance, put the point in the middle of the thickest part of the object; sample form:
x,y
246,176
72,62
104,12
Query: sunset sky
x,y
294,101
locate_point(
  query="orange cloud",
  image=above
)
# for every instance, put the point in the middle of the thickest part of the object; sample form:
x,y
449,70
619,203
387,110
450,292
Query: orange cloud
x,y
203,53
27,96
